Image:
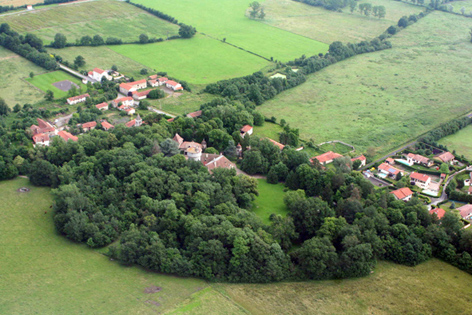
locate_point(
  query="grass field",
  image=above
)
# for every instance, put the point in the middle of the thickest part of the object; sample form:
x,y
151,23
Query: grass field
x,y
329,26
336,147
270,200
109,19
460,141
184,104
226,19
199,60
44,273
268,130
384,99
17,3
44,82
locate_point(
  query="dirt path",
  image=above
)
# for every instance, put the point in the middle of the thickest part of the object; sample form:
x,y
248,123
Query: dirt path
x,y
9,57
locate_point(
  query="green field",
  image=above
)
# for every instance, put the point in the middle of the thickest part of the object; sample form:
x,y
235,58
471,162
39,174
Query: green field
x,y
105,18
268,130
199,60
270,200
384,99
182,104
461,142
226,19
44,82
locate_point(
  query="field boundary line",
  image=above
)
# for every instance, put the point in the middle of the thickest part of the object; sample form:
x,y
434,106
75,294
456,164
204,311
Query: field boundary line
x,y
220,291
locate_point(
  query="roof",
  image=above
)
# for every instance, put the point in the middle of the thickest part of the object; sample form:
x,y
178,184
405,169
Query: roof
x,y
98,70
107,125
190,144
101,105
67,136
42,127
131,123
439,212
421,177
163,79
143,93
388,168
360,158
173,83
123,99
419,158
390,160
446,156
78,97
195,114
328,156
279,145
246,128
152,77
402,193
170,119
212,161
465,211
128,86
40,138
89,124
127,109
177,138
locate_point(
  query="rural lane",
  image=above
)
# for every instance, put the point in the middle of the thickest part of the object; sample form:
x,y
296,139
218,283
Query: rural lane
x,y
75,73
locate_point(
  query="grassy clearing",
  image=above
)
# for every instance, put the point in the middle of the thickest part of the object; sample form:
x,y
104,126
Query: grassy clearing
x,y
13,71
447,206
44,273
268,130
226,19
199,60
392,289
44,82
109,19
328,26
461,142
270,200
399,93
336,147
17,3
184,104
459,4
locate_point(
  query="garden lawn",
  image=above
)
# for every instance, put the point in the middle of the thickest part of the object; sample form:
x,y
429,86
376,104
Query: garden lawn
x,y
199,60
105,18
384,99
44,273
461,142
268,130
183,104
270,200
227,19
44,82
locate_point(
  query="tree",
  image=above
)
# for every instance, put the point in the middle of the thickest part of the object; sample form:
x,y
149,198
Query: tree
x,y
262,14
187,31
97,41
403,22
79,61
49,96
16,108
356,164
169,147
60,41
143,39
392,30
42,173
352,5
255,6
86,40
31,75
317,258
143,71
156,94
453,205
114,68
4,109
381,12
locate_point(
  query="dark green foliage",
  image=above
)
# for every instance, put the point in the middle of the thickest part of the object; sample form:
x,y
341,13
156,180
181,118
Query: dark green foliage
x,y
333,5
187,31
60,41
4,109
156,94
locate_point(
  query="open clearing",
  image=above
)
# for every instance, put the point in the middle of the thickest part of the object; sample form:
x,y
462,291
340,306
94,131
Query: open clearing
x,y
329,26
17,3
198,60
105,18
461,142
184,104
270,200
384,99
226,19
45,82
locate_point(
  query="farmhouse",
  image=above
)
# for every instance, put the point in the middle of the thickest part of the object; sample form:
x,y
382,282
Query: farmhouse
x,y
126,101
140,95
404,194
418,159
129,111
77,99
89,126
446,157
102,106
67,136
277,144
438,211
29,7
196,114
465,211
127,88
41,139
43,127
98,74
153,83
174,85
162,80
361,158
246,129
106,125
135,122
192,150
327,157
390,161
420,180
389,170
152,77
212,161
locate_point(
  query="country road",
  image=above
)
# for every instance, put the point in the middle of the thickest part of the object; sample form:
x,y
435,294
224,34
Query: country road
x,y
435,201
75,73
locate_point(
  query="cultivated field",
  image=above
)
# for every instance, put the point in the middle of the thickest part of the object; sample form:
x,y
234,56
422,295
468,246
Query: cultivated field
x,y
329,26
270,200
105,18
226,19
199,60
45,82
384,99
461,142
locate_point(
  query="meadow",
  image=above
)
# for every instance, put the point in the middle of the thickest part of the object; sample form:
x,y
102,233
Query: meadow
x,y
461,142
227,19
269,201
384,99
44,82
109,19
182,104
268,130
199,60
17,3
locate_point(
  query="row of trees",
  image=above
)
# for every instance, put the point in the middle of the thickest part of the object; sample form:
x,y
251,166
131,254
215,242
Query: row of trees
x,y
367,9
333,5
257,11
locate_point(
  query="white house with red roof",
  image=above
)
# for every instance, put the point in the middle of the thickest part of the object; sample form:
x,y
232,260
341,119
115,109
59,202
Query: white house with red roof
x,y
127,88
420,180
129,110
41,139
361,158
389,170
43,127
446,157
175,86
246,129
404,194
77,99
89,126
418,159
465,211
140,95
212,161
162,80
98,74
135,122
126,101
102,106
106,125
439,212
327,157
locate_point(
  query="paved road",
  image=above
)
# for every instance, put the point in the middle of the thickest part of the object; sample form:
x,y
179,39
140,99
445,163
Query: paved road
x,y
75,73
435,201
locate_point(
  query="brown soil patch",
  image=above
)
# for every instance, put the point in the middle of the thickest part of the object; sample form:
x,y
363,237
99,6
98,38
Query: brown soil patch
x,y
153,303
152,289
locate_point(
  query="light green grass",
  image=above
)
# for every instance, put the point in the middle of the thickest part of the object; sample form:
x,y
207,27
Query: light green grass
x,y
384,99
268,130
226,19
447,206
461,142
336,147
270,200
45,81
199,60
44,273
467,4
183,104
105,18
329,26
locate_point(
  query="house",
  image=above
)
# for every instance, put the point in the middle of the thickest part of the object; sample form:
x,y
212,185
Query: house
x,y
389,170
89,126
77,99
404,194
361,158
126,101
140,95
465,211
390,161
246,129
98,74
196,114
175,86
129,111
418,159
469,191
446,157
327,157
420,180
212,161
43,127
29,7
102,106
41,139
162,80
153,83
192,150
438,211
135,122
277,144
106,125
67,136
127,88
152,77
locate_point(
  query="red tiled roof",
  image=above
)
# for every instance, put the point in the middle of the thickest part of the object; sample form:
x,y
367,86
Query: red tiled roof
x,y
246,128
163,79
465,211
89,124
123,99
328,156
388,168
390,160
195,114
78,97
177,138
67,136
143,93
446,157
128,109
131,123
419,176
170,119
101,105
40,138
361,158
43,127
418,157
98,70
90,72
212,161
152,77
439,212
402,192
279,145
130,85
173,83
470,189
107,125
